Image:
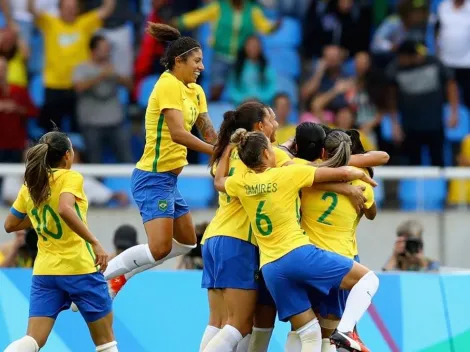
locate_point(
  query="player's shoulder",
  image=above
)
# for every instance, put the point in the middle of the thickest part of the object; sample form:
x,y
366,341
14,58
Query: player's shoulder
x,y
300,161
166,82
71,175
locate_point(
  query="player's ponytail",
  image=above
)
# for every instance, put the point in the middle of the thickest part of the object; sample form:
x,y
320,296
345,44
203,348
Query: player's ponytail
x,y
357,147
179,47
250,146
40,160
337,148
246,116
309,140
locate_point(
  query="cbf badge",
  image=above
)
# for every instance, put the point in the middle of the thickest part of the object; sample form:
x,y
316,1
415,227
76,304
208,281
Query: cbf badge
x,y
162,205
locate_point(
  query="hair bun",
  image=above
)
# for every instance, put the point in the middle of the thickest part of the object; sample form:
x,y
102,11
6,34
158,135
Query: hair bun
x,y
239,137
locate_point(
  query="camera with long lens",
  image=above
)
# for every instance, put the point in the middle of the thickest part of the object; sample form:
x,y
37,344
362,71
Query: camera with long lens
x,y
413,245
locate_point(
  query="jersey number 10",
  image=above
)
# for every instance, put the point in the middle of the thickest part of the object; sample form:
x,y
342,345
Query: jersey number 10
x,y
41,227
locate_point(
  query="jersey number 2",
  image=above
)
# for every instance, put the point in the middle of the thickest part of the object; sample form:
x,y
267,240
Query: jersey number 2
x,y
263,218
41,228
334,203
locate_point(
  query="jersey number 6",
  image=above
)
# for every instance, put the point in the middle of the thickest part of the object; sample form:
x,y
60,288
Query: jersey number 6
x,y
263,217
41,228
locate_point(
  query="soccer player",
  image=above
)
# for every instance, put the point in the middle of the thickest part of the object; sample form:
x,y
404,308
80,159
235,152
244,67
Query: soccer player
x,y
70,257
175,105
269,195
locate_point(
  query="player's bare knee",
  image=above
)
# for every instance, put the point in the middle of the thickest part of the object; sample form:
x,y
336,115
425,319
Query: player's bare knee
x,y
160,249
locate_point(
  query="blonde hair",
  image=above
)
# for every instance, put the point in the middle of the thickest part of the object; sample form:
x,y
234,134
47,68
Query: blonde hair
x,y
338,148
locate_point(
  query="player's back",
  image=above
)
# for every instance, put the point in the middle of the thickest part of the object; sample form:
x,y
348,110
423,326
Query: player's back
x,y
330,219
60,250
272,203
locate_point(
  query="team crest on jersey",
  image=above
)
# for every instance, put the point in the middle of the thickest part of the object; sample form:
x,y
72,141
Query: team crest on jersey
x,y
162,205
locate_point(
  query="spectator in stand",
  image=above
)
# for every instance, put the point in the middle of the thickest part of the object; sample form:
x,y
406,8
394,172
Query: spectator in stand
x,y
21,252
100,113
234,21
453,33
340,22
459,189
66,39
125,237
17,63
118,29
408,251
148,57
328,70
252,77
410,23
15,108
282,109
418,86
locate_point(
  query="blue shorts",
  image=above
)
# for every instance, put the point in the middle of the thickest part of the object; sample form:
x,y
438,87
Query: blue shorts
x,y
331,304
290,278
229,263
51,294
157,195
264,296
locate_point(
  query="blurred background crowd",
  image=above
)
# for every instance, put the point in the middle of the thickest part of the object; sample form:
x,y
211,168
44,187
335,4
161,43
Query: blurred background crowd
x,y
398,71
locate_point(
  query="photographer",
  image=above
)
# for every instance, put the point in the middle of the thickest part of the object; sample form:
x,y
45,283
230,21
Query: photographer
x,y
408,251
23,251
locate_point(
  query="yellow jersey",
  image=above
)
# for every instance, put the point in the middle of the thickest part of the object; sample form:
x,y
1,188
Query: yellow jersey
x,y
66,45
60,250
271,200
330,220
161,154
230,218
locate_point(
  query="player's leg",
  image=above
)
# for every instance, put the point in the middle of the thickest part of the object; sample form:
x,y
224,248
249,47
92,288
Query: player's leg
x,y
90,294
217,311
47,300
236,265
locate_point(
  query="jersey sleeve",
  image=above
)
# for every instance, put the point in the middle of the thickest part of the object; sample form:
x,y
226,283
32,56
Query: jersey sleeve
x,y
302,175
201,98
197,17
281,157
232,186
91,21
168,94
18,208
73,183
262,24
369,194
44,21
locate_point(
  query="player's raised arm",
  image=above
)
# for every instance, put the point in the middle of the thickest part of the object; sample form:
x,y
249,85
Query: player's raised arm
x,y
222,170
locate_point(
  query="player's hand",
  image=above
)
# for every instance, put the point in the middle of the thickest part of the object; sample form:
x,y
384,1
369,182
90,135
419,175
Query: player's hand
x,y
356,196
101,259
400,245
369,180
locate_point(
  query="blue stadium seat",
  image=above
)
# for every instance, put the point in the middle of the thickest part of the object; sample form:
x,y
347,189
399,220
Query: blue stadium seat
x,y
289,35
285,61
379,193
145,89
36,90
349,67
198,192
119,184
423,194
289,86
36,59
123,94
463,127
34,131
216,112
77,141
386,128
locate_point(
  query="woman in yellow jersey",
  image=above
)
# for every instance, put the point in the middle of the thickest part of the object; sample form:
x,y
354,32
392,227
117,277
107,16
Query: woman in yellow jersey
x,y
269,195
175,105
230,254
70,257
330,220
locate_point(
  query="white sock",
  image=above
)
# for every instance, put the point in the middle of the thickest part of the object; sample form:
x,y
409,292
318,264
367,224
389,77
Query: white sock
x,y
244,344
108,347
358,301
209,333
177,249
129,260
293,343
326,346
260,338
310,336
25,344
225,341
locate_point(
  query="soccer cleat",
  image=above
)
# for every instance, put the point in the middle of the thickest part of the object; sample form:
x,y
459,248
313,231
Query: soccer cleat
x,y
115,285
74,307
349,341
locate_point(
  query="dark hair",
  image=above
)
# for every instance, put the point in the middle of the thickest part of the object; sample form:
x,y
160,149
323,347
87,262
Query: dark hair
x,y
40,160
245,116
95,41
309,139
250,146
338,149
179,46
357,147
240,63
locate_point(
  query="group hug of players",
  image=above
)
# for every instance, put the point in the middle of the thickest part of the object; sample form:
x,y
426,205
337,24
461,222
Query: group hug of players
x,y
282,242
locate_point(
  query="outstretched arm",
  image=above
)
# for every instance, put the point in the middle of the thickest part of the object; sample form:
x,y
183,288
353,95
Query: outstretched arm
x,y
205,127
221,174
